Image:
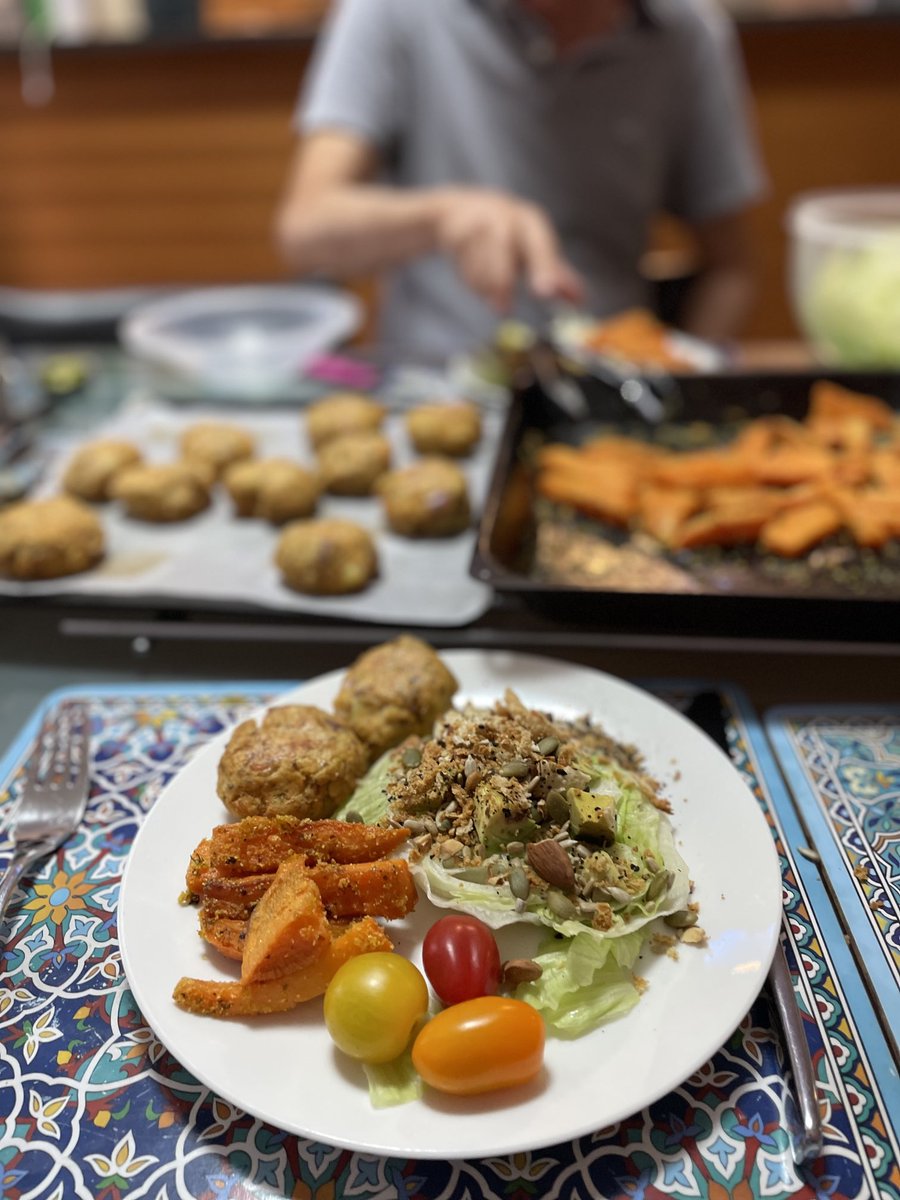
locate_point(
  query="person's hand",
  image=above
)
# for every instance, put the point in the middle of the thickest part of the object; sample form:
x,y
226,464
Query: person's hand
x,y
495,239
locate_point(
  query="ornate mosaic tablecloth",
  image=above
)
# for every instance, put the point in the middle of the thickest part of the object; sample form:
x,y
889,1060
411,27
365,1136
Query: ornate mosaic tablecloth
x,y
843,766
92,1105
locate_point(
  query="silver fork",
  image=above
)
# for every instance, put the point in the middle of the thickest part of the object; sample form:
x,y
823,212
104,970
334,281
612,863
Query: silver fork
x,y
54,793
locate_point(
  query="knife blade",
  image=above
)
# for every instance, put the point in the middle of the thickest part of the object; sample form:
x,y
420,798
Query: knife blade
x,y
707,711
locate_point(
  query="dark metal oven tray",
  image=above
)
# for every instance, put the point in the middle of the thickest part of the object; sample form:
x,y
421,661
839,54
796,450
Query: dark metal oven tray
x,y
839,592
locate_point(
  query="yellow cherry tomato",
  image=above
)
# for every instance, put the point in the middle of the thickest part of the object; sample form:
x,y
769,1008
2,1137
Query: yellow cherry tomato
x,y
372,1004
480,1045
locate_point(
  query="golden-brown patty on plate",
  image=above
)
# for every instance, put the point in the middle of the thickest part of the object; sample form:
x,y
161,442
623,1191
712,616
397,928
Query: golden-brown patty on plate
x,y
393,690
299,761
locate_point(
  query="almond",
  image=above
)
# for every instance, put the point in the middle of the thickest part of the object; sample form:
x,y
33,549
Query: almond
x,y
551,862
521,970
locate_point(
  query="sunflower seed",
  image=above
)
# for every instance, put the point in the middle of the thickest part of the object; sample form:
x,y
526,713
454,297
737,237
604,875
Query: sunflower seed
x,y
518,882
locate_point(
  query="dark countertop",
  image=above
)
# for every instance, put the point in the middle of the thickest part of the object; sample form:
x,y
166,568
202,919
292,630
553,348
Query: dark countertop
x,y
46,644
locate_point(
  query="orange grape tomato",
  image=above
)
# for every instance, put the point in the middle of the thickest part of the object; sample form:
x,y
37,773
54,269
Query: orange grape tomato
x,y
372,1004
480,1045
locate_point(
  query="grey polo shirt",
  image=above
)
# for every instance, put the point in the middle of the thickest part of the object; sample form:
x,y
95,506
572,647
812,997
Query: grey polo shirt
x,y
463,92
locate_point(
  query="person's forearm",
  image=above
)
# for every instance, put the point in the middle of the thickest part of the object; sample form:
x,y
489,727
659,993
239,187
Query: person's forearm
x,y
358,229
718,304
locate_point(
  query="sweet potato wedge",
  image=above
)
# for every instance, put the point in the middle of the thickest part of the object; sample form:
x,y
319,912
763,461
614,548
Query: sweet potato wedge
x,y
213,998
225,934
559,456
797,530
886,468
198,867
723,527
790,465
831,401
258,844
704,469
380,889
842,433
235,894
287,929
383,888
597,492
662,511
611,448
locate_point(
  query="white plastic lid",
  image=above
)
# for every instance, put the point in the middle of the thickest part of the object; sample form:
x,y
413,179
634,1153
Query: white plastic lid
x,y
845,217
249,339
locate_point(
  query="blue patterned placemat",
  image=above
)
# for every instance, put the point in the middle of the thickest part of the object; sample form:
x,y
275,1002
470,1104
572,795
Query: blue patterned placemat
x,y
92,1105
843,767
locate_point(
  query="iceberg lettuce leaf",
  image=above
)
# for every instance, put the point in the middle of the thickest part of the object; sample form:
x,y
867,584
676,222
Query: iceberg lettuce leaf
x,y
584,982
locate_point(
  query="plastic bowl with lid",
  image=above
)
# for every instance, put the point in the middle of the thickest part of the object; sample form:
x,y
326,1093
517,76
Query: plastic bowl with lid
x,y
845,274
247,342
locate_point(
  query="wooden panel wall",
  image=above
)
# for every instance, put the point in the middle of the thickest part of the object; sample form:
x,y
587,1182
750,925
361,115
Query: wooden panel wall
x,y
154,166
147,167
827,100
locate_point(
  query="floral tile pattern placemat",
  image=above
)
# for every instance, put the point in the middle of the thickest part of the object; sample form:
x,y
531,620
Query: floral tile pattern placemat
x,y
91,1105
843,768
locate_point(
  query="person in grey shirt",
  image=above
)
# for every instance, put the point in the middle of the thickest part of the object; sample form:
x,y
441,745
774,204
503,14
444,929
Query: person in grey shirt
x,y
497,157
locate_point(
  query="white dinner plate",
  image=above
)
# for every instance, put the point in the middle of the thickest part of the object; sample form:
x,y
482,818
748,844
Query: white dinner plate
x,y
284,1068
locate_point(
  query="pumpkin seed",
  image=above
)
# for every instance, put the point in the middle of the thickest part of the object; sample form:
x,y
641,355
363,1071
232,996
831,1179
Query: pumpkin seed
x,y
548,745
682,919
353,817
561,906
515,849
557,805
516,768
411,757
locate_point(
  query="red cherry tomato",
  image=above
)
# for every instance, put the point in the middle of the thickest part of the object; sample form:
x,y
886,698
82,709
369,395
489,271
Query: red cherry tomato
x,y
480,1045
461,959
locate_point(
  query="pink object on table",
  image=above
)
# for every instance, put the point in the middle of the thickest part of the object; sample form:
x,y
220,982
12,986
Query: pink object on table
x,y
349,372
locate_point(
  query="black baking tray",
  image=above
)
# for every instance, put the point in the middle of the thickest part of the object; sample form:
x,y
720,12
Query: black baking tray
x,y
738,595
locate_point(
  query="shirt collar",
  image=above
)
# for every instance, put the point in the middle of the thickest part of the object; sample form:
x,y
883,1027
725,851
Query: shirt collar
x,y
537,46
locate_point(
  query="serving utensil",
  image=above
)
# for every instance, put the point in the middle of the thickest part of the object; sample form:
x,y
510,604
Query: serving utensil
x,y
54,794
651,400
706,711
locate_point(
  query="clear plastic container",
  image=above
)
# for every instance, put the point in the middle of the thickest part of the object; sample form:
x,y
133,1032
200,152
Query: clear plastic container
x,y
844,274
244,343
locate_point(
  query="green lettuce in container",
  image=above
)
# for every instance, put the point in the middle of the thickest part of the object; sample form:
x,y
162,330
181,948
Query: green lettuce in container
x,y
852,307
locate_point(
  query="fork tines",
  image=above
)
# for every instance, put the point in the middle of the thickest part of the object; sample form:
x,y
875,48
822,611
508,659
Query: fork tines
x,y
60,757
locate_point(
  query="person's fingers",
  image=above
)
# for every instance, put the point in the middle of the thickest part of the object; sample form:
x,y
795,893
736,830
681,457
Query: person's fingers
x,y
541,259
492,263
569,285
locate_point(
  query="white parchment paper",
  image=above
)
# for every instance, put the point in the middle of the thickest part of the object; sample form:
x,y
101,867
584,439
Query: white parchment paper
x,y
216,556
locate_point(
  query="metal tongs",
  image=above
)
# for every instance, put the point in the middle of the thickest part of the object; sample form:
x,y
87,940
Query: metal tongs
x,y
651,400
